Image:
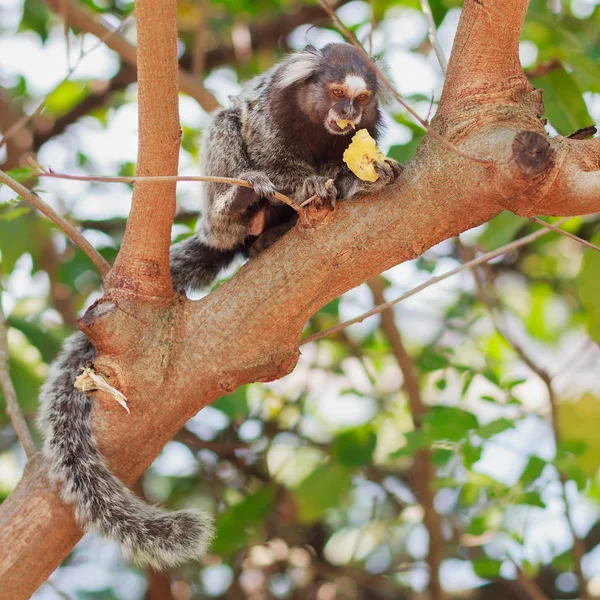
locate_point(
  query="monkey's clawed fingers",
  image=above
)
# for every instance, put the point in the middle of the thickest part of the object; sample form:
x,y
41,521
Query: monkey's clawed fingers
x,y
324,190
262,187
388,171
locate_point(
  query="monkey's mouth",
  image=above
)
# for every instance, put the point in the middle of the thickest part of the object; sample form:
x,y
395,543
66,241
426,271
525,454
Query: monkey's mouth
x,y
333,125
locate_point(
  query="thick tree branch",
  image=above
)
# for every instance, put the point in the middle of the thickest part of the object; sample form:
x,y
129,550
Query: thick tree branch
x,y
171,357
143,261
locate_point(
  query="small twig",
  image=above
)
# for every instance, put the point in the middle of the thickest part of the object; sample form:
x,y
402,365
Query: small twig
x,y
565,233
433,37
66,227
165,178
372,27
199,53
13,410
382,77
477,261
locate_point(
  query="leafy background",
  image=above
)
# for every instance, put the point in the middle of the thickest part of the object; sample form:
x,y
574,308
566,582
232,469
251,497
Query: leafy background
x,y
317,479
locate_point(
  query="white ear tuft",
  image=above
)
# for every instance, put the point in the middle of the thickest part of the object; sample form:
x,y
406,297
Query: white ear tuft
x,y
383,77
298,67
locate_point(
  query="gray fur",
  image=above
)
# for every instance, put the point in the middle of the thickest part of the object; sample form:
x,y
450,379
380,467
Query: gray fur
x,y
276,136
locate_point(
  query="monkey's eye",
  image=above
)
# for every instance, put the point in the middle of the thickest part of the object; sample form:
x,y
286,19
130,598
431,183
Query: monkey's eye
x,y
362,97
337,92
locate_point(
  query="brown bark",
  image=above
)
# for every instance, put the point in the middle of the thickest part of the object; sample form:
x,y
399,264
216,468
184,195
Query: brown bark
x,y
171,356
142,265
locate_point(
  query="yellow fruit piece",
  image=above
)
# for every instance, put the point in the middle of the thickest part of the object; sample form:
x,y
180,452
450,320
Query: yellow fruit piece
x,y
343,123
362,155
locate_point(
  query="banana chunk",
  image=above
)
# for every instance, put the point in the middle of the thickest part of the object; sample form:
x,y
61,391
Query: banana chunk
x,y
343,123
362,155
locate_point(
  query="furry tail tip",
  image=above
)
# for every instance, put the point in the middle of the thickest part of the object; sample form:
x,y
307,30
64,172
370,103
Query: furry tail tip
x,y
167,539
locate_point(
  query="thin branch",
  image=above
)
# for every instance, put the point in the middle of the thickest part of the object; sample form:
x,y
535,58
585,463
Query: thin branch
x,y
164,178
66,227
529,586
477,261
372,26
26,118
382,77
199,53
83,19
10,396
423,469
565,233
432,35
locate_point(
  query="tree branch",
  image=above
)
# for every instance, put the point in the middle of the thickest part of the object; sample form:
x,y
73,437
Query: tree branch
x,y
66,227
143,260
171,357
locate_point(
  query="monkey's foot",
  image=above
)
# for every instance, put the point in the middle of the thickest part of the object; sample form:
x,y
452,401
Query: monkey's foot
x,y
323,189
268,237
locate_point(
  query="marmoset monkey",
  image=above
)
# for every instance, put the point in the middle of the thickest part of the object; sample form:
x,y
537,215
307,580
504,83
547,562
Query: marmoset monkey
x,y
282,134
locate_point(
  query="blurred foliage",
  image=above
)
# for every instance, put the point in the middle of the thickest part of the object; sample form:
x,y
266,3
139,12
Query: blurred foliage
x,y
313,477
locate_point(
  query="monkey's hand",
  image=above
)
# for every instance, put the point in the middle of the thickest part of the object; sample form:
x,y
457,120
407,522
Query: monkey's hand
x,y
388,171
324,190
262,187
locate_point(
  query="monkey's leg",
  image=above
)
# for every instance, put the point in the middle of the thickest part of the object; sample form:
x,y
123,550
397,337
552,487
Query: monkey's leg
x,y
269,236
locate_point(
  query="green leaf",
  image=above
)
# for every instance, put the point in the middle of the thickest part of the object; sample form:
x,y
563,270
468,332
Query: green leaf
x,y
565,107
589,289
532,470
585,70
471,454
323,489
355,447
234,524
234,405
449,423
14,241
21,175
486,567
47,342
415,440
332,308
494,428
579,423
530,499
501,230
405,152
67,95
432,359
35,18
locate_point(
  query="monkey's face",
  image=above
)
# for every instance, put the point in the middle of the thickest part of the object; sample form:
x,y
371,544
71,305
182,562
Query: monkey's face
x,y
351,102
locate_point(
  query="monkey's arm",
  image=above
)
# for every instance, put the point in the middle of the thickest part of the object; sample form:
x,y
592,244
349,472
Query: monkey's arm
x,y
225,219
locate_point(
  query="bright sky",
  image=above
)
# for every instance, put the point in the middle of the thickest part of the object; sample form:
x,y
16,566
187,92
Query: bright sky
x,y
418,317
